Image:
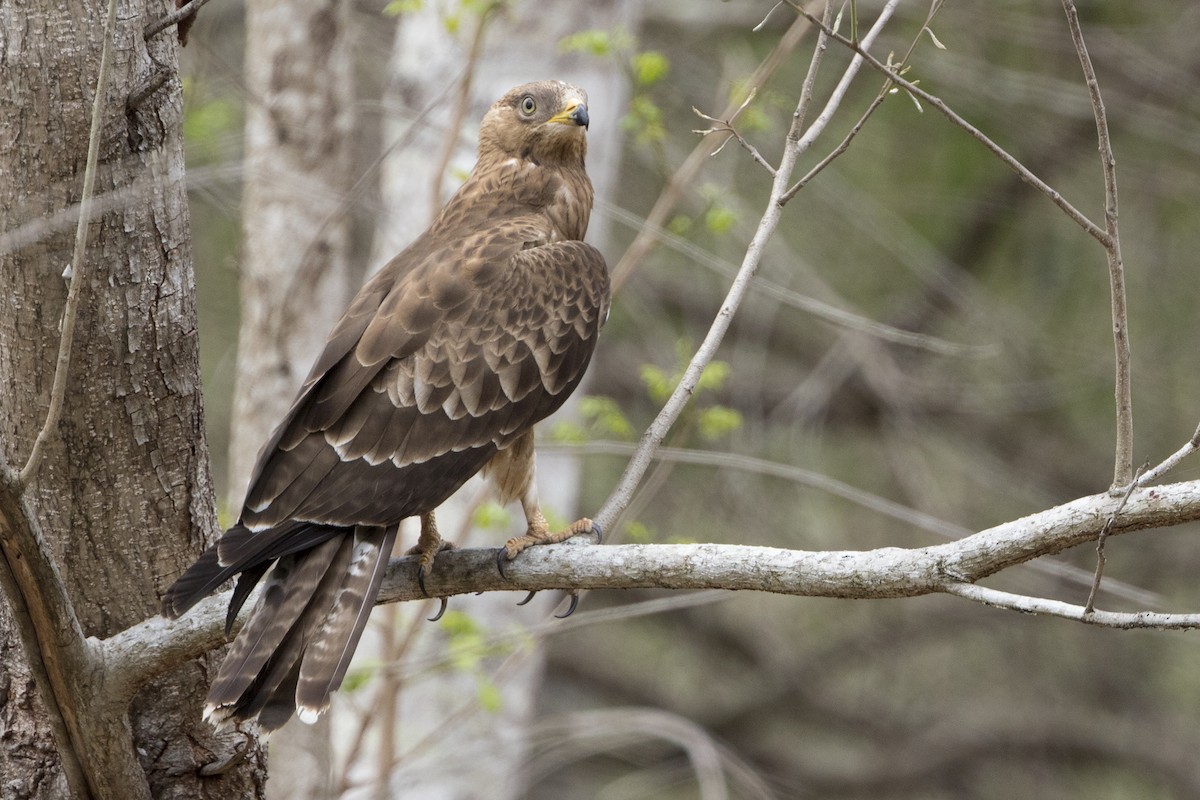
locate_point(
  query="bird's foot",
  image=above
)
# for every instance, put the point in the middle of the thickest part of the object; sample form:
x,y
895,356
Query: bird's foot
x,y
542,535
427,552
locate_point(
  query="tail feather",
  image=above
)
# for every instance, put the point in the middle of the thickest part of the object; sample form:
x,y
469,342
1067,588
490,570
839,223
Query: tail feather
x,y
295,648
328,656
290,589
269,693
199,581
241,592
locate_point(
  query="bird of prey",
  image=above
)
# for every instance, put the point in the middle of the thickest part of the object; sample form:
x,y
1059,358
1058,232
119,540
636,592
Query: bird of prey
x,y
439,369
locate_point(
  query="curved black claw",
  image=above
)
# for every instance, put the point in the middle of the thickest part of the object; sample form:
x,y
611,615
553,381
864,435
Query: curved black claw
x,y
442,610
528,597
571,608
421,572
501,561
599,532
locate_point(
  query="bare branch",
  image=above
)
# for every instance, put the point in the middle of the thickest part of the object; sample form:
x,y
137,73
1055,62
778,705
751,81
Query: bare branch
x,y
569,737
1016,166
156,646
678,182
726,126
840,91
1056,608
1171,461
461,105
75,269
36,597
1101,540
827,312
860,497
843,86
654,435
1123,462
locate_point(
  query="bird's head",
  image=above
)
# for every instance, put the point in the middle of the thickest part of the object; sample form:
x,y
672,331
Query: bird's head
x,y
543,122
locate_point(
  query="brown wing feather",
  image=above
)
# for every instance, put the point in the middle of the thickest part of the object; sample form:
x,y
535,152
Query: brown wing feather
x,y
426,420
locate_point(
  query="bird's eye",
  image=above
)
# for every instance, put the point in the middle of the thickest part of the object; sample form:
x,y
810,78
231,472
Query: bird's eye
x,y
528,106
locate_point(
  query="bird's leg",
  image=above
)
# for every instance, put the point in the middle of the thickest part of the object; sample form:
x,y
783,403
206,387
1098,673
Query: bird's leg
x,y
429,544
538,530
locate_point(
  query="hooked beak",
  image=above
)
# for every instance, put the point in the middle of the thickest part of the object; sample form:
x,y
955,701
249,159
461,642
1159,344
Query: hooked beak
x,y
575,113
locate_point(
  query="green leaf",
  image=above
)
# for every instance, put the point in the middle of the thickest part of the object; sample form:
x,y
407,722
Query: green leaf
x,y
719,219
458,623
488,695
593,42
717,421
568,432
606,417
680,224
397,7
649,67
491,516
639,533
364,670
657,383
713,377
644,120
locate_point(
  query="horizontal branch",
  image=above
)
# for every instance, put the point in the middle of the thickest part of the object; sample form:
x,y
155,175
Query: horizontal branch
x,y
1057,608
157,646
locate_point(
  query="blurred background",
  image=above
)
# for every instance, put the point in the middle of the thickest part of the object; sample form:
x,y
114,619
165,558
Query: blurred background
x,y
809,433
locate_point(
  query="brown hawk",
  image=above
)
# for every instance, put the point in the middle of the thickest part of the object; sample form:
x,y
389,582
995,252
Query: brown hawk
x,y
440,368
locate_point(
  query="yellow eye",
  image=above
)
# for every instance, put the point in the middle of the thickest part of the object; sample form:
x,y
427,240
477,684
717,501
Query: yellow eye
x,y
528,106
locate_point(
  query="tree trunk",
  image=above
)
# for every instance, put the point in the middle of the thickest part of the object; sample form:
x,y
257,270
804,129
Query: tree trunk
x,y
295,270
122,496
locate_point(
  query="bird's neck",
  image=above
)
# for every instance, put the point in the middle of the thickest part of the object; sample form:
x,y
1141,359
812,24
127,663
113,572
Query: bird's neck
x,y
511,187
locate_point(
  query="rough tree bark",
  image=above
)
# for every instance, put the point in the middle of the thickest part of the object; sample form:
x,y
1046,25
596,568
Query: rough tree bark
x,y
295,267
122,495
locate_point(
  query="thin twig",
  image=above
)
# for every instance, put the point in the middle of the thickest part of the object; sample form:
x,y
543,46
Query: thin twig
x,y
844,145
677,184
75,269
1102,540
1105,619
1122,390
843,86
1025,174
174,18
726,126
1170,462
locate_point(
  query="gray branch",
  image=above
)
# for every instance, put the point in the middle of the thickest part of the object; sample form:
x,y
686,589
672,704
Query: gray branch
x,y
156,646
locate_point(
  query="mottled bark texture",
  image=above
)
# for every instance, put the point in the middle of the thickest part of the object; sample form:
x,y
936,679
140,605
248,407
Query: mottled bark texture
x,y
123,496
